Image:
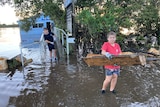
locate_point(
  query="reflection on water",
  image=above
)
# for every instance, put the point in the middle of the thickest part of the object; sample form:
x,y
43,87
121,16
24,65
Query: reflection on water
x,y
73,84
9,39
76,85
9,35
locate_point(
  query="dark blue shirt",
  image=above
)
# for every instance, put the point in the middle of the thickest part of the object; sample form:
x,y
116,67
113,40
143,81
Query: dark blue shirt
x,y
49,37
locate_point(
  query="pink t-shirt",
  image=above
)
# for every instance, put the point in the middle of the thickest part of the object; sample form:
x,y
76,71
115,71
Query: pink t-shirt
x,y
114,50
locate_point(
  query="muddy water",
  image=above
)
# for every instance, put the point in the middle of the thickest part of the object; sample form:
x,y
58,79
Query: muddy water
x,y
71,83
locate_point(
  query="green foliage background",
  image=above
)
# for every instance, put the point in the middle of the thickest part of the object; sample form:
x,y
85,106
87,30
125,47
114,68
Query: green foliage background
x,y
105,15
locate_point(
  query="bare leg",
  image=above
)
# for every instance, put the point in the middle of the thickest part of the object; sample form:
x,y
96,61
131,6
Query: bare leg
x,y
113,82
106,82
54,51
50,54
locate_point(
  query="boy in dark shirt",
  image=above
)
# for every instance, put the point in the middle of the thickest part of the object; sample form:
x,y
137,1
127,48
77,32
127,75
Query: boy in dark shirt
x,y
49,39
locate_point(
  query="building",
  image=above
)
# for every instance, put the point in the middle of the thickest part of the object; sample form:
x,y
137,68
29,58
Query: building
x,y
36,30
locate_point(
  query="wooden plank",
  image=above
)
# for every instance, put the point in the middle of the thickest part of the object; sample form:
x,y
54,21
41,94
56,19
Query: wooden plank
x,y
3,64
122,60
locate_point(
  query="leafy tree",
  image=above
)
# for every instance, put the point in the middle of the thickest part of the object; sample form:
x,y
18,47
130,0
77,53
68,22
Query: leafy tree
x,y
55,11
100,19
101,16
85,3
148,20
33,8
3,2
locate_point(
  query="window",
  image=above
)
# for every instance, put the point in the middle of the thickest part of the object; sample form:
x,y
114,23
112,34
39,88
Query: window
x,y
35,26
38,25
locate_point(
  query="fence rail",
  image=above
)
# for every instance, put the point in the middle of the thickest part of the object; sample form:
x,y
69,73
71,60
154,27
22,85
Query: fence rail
x,y
62,41
65,38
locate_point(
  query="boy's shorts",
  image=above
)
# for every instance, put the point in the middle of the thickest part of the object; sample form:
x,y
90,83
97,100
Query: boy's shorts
x,y
110,72
50,47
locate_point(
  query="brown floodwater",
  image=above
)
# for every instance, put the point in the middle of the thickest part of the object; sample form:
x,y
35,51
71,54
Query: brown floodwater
x,y
71,83
74,84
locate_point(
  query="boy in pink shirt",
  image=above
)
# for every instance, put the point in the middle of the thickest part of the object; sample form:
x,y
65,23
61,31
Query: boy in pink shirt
x,y
112,71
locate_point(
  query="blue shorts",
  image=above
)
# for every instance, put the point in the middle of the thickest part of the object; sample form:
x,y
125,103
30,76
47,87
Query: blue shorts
x,y
50,47
110,72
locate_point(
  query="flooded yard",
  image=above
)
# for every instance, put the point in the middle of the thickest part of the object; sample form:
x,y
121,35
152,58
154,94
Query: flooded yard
x,y
71,83
74,84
